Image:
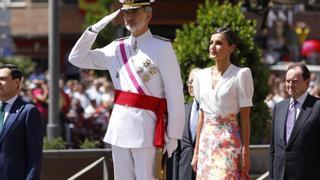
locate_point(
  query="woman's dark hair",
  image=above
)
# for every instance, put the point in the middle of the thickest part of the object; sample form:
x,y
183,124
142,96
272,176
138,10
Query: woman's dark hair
x,y
15,71
232,38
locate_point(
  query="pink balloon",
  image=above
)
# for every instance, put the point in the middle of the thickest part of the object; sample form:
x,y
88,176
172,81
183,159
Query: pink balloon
x,y
310,46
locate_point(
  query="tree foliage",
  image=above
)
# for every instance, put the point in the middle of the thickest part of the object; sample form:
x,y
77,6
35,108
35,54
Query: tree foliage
x,y
94,12
90,144
25,64
192,42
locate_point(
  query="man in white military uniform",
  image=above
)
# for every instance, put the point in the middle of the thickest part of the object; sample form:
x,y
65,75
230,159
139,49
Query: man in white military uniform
x,y
146,76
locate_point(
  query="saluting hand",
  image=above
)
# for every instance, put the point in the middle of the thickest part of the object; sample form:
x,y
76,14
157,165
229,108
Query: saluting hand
x,y
104,21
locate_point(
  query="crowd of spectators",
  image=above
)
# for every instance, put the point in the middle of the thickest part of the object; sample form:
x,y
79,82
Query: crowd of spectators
x,y
284,40
278,90
86,102
85,105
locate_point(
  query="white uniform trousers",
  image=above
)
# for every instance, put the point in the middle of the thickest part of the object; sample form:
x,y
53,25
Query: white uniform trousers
x,y
133,163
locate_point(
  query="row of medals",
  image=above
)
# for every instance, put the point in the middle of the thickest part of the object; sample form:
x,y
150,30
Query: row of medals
x,y
145,71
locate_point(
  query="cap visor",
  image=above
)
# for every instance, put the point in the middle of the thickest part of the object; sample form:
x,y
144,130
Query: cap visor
x,y
130,8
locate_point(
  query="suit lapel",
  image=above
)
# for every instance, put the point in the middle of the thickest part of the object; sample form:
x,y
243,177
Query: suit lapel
x,y
303,116
283,113
11,118
187,125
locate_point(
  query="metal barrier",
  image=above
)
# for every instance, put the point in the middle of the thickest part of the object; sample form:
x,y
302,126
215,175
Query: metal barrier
x,y
263,176
89,167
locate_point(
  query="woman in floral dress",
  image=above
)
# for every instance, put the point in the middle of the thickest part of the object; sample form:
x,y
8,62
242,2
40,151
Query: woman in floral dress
x,y
224,91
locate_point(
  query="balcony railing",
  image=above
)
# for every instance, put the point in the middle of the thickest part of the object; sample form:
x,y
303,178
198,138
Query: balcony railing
x,y
91,166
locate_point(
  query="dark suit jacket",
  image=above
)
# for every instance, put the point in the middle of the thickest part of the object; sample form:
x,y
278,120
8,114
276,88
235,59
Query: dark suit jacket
x,y
21,143
178,166
300,157
187,148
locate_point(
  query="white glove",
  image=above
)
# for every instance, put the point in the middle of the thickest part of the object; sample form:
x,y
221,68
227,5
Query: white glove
x,y
170,146
104,21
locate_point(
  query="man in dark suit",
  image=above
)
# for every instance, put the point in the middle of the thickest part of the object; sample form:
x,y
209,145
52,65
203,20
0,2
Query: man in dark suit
x,y
179,165
20,130
295,137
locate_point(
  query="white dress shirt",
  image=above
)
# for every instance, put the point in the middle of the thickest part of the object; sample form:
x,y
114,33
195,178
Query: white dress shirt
x,y
301,100
194,119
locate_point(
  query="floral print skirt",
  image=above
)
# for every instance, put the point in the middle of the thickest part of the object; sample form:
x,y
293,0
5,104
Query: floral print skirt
x,y
219,149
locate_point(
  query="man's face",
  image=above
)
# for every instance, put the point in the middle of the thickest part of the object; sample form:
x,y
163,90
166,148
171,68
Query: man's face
x,y
295,84
136,20
190,85
8,86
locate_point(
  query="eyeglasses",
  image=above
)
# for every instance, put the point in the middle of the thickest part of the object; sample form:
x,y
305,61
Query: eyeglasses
x,y
189,82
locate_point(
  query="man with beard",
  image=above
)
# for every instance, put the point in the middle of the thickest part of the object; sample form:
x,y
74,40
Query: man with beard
x,y
149,105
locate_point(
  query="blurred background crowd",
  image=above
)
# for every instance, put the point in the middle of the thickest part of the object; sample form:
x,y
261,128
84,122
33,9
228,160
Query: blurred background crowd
x,y
85,104
284,40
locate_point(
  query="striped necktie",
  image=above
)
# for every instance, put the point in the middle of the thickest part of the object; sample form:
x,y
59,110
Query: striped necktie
x,y
2,112
291,118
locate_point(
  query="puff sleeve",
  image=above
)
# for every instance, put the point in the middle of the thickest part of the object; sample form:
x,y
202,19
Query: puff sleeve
x,y
245,87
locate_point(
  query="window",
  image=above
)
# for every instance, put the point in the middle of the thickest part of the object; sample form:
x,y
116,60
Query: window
x,y
40,1
13,3
70,1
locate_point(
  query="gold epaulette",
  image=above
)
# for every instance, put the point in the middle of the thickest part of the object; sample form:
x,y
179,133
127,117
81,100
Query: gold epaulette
x,y
162,38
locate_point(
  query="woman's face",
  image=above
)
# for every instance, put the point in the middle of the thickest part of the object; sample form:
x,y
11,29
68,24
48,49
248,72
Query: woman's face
x,y
219,48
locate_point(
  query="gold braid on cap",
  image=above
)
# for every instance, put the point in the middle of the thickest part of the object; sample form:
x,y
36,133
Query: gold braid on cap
x,y
132,1
128,5
129,1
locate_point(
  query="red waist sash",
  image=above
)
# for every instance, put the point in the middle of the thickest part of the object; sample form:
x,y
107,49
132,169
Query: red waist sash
x,y
157,105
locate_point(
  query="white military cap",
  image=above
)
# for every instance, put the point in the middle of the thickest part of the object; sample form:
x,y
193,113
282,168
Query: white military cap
x,y
134,4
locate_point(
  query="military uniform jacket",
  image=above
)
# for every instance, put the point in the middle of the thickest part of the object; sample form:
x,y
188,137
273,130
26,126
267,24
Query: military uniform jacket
x,y
153,61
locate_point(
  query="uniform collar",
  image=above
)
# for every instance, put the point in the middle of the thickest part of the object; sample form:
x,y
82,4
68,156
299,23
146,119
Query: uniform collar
x,y
141,38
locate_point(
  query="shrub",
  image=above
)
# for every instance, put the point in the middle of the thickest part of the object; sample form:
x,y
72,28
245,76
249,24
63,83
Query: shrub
x,y
25,64
57,143
90,144
94,12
